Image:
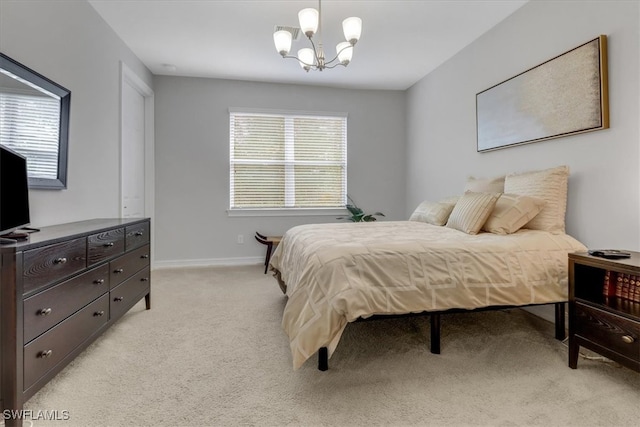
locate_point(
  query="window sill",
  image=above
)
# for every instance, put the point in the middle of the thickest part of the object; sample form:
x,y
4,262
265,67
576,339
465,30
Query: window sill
x,y
287,212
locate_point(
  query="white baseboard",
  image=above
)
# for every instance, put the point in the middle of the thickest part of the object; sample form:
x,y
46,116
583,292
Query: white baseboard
x,y
213,262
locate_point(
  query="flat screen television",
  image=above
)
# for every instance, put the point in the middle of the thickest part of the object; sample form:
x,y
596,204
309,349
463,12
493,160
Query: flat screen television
x,y
14,192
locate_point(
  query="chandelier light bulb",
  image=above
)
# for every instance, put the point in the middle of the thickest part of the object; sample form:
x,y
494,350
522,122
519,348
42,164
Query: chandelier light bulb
x,y
306,57
309,19
352,28
344,51
282,40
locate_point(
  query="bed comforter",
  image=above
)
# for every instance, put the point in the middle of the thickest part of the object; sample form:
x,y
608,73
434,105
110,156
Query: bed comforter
x,y
335,273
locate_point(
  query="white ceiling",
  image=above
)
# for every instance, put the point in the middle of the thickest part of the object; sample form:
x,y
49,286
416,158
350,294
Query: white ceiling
x,y
401,41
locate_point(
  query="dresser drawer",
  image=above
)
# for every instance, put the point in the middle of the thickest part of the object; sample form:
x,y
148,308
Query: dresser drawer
x,y
609,330
125,266
102,246
136,235
123,297
45,309
43,353
50,264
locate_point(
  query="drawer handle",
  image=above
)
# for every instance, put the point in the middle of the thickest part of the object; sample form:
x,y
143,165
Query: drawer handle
x,y
628,339
98,281
144,256
99,313
60,260
144,279
139,233
118,271
44,354
108,245
118,299
45,311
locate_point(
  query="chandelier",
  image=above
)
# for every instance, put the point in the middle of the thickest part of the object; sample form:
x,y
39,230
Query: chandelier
x,y
313,58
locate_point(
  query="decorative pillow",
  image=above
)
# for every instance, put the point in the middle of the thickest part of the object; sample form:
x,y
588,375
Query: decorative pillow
x,y
485,185
511,212
435,213
549,185
471,211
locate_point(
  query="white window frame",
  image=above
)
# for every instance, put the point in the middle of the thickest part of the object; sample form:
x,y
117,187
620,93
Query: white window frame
x,y
289,179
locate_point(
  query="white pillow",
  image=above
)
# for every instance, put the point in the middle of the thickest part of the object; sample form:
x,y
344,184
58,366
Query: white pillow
x,y
485,185
435,213
471,211
549,185
511,212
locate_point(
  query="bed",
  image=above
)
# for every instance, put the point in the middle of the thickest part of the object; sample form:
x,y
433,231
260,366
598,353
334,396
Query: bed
x,y
338,273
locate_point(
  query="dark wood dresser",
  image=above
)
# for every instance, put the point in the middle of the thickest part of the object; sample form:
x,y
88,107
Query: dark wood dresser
x,y
59,291
604,308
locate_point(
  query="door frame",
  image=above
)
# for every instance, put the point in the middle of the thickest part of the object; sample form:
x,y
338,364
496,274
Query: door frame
x,y
127,76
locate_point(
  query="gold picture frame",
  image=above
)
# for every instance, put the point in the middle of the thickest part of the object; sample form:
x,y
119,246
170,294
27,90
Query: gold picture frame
x,y
563,96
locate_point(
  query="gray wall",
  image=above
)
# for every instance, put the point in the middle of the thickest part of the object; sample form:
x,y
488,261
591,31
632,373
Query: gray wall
x,y
192,162
604,187
68,42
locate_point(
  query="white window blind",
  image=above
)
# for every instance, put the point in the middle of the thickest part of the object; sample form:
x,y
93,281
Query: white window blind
x,y
29,125
287,161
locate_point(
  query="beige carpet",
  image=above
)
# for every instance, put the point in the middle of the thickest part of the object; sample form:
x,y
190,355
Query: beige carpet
x,y
211,352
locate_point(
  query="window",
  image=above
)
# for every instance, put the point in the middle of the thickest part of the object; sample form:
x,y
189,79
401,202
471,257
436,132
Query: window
x,y
287,160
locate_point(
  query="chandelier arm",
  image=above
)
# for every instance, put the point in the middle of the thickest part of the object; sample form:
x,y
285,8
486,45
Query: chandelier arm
x,y
338,54
335,65
329,62
298,59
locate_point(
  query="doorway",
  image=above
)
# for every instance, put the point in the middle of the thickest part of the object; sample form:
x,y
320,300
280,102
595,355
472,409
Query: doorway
x,y
136,146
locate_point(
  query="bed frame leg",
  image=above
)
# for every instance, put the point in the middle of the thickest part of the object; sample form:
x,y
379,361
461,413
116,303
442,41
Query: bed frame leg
x,y
434,320
560,322
323,359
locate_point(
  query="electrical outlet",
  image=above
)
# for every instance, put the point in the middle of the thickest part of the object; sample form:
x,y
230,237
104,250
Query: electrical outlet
x,y
240,239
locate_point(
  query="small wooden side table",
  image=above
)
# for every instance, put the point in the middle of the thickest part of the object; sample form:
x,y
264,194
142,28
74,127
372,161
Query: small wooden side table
x,y
271,242
604,311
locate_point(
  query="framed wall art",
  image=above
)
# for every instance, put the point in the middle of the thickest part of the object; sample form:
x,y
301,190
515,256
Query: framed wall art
x,y
563,96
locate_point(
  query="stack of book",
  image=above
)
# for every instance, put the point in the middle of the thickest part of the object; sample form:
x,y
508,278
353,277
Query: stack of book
x,y
622,285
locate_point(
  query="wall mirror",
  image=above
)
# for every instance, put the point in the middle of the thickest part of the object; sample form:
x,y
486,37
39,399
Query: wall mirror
x,y
34,121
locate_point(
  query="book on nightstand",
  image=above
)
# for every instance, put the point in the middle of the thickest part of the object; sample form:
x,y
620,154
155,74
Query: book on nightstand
x,y
621,285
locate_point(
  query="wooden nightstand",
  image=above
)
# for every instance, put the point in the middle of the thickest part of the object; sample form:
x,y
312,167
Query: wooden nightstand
x,y
608,325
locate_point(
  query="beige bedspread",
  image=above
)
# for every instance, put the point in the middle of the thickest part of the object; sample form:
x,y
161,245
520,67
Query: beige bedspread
x,y
336,273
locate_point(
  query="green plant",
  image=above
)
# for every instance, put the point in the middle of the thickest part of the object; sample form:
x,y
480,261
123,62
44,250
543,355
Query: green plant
x,y
357,214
